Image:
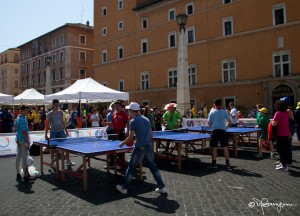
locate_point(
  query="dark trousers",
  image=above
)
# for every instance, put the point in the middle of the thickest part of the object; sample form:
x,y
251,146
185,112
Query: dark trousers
x,y
282,146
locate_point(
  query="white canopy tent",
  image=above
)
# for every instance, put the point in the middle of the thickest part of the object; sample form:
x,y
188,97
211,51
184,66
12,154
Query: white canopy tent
x,y
7,99
30,96
87,90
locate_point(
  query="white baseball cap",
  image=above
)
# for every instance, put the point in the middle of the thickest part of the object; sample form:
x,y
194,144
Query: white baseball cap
x,y
133,106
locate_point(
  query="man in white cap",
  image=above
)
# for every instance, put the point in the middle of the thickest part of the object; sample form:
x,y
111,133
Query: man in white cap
x,y
139,127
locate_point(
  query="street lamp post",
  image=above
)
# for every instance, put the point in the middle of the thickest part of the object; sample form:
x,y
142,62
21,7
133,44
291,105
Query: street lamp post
x,y
48,76
183,89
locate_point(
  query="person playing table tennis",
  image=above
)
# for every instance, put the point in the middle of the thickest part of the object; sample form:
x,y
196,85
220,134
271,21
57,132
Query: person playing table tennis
x,y
56,125
139,127
118,124
217,120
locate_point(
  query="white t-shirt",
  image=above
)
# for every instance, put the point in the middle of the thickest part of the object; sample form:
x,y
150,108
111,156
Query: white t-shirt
x,y
95,120
234,119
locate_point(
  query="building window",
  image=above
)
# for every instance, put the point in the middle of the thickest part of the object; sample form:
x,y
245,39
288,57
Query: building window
x,y
120,25
104,11
104,31
61,39
82,56
229,70
44,76
61,56
279,14
190,34
33,65
120,52
190,8
121,85
39,63
27,80
27,66
22,82
39,78
53,42
281,64
104,56
82,74
53,74
144,46
144,80
16,84
192,76
172,14
61,73
33,79
172,39
227,26
82,39
172,77
54,58
226,1
144,23
120,4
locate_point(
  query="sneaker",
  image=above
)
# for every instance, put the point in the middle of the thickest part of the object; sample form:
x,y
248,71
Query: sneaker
x,y
163,190
19,176
26,177
258,155
279,167
121,190
277,162
109,167
284,169
70,163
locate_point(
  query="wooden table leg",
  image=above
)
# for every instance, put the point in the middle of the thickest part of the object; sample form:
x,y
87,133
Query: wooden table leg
x,y
179,147
107,163
57,163
235,136
115,164
84,173
62,166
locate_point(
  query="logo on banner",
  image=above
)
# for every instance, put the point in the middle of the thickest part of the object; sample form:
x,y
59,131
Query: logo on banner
x,y
4,142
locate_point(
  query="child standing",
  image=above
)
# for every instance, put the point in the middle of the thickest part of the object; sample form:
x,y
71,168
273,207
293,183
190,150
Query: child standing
x,y
263,122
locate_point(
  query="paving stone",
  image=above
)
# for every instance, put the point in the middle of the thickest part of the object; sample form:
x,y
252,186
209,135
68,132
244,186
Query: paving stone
x,y
195,190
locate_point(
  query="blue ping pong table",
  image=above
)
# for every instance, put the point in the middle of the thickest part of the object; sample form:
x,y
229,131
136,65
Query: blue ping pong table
x,y
236,132
87,147
179,138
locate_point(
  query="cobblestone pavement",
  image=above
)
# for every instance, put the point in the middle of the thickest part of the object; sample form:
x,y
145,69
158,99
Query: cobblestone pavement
x,y
195,190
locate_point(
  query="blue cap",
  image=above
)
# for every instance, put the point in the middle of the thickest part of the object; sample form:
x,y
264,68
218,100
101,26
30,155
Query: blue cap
x,y
286,99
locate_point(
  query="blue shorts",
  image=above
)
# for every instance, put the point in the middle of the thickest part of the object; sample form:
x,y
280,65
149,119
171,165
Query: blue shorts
x,y
57,134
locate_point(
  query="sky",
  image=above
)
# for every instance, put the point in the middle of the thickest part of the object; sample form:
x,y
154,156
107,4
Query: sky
x,y
24,20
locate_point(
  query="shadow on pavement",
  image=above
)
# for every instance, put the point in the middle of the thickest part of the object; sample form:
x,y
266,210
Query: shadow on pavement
x,y
194,167
160,204
101,186
25,187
